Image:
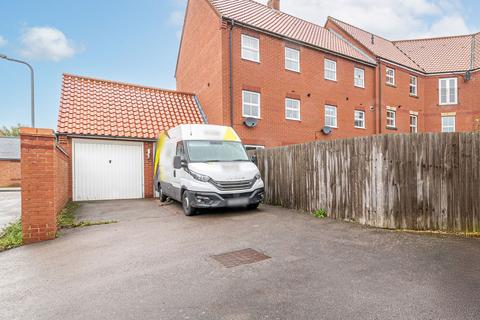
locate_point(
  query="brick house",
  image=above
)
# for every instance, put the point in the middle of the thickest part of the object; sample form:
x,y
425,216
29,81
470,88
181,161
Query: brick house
x,y
10,175
298,81
108,130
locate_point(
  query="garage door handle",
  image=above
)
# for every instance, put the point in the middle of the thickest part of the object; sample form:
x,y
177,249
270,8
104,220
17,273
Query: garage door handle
x,y
174,173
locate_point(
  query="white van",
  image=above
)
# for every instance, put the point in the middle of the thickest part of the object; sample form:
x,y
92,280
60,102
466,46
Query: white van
x,y
206,166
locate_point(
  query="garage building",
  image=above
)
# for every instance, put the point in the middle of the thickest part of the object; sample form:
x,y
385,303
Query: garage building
x,y
109,128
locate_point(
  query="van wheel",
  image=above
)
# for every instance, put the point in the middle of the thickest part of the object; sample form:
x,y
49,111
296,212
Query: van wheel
x,y
253,206
187,208
162,196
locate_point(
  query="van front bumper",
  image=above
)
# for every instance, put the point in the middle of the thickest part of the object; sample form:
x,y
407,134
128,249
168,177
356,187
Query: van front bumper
x,y
200,199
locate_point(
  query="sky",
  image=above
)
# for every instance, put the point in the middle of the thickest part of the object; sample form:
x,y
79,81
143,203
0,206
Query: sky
x,y
137,41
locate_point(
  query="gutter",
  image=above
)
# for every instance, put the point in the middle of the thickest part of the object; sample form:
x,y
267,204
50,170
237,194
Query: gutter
x,y
84,136
302,43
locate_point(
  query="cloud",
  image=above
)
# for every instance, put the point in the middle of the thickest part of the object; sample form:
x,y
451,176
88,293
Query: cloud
x,y
46,43
393,19
3,42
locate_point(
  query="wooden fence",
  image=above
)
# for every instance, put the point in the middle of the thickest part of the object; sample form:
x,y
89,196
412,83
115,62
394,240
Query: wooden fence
x,y
409,181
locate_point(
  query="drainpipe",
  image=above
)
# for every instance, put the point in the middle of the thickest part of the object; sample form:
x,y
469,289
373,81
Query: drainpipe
x,y
379,96
231,71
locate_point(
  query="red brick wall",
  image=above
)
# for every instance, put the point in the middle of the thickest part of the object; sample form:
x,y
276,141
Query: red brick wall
x,y
66,144
148,158
44,170
199,66
10,173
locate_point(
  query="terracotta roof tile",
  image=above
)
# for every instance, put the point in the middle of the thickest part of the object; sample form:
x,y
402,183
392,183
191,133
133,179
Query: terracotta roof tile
x,y
440,54
381,47
257,15
100,107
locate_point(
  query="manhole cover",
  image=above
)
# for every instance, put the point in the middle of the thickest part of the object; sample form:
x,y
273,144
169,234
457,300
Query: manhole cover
x,y
237,258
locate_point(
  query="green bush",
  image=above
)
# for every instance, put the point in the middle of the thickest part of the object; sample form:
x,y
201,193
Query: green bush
x,y
11,236
320,213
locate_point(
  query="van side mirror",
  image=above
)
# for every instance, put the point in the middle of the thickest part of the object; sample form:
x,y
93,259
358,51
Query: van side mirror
x,y
179,162
253,159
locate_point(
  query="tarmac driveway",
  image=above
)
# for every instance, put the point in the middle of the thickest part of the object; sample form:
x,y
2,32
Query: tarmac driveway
x,y
10,207
156,264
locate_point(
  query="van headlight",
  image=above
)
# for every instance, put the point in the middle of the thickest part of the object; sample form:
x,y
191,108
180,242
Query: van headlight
x,y
198,176
258,176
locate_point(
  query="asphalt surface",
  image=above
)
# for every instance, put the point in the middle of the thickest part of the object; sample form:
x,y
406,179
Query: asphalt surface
x,y
10,207
156,264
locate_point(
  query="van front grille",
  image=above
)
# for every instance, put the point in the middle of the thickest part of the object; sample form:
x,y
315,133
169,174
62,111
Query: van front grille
x,y
233,185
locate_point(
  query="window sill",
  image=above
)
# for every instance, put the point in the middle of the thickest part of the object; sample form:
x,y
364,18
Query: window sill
x,y
359,87
363,128
248,60
294,71
392,128
391,85
331,80
291,119
447,104
246,117
414,96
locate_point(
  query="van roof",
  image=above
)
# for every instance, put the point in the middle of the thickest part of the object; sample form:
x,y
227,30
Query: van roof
x,y
203,132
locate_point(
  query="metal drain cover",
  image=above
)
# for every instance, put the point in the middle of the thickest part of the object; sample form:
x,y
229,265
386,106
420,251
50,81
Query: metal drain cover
x,y
237,258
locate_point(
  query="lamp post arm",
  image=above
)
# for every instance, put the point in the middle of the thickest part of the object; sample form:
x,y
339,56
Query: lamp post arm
x,y
32,85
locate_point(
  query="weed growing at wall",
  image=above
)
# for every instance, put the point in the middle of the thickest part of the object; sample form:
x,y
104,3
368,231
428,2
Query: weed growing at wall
x,y
320,213
11,236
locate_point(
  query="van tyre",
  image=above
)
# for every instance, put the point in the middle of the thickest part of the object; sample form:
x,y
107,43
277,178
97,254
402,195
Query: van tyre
x,y
162,196
253,206
187,207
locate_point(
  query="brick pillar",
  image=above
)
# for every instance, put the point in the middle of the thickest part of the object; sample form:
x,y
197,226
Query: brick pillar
x,y
38,193
148,158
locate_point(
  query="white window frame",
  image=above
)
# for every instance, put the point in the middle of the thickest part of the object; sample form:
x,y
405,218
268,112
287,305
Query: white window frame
x,y
392,119
334,117
327,68
444,127
448,89
296,109
245,115
390,78
413,86
413,127
356,118
292,60
362,78
247,48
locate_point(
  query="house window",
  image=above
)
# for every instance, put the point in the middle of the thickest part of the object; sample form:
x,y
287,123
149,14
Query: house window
x,y
359,119
331,116
250,48
292,59
448,124
390,73
391,118
249,147
448,90
292,109
251,104
359,75
413,86
330,70
413,123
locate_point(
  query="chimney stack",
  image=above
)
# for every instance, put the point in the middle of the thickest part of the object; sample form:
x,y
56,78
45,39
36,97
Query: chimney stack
x,y
274,4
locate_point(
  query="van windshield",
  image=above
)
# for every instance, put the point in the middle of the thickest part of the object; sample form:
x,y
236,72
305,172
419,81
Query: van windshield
x,y
215,151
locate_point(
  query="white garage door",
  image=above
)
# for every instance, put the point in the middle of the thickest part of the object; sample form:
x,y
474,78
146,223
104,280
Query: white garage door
x,y
106,170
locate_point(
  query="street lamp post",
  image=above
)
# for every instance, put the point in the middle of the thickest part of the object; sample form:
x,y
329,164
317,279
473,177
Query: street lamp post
x,y
32,84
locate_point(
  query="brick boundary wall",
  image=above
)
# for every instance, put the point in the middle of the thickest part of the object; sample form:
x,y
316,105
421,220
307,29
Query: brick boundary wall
x,y
10,173
44,170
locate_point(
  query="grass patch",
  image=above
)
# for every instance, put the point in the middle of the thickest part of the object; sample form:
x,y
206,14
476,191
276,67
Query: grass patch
x,y
11,236
320,213
67,220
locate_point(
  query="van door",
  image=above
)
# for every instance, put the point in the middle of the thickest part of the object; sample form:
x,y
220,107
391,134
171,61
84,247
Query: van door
x,y
178,174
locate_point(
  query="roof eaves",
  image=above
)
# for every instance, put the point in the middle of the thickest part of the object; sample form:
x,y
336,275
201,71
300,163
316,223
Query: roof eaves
x,y
246,25
353,46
